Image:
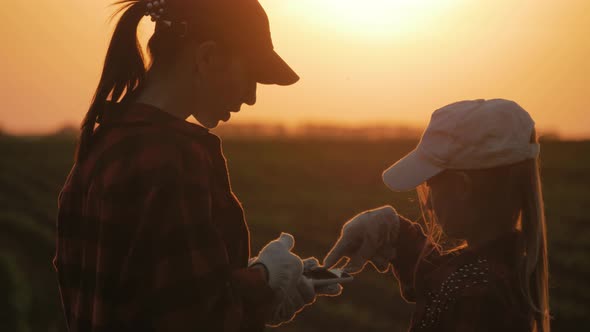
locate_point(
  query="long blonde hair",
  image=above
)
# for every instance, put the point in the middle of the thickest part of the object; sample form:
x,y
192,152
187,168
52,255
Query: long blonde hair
x,y
533,270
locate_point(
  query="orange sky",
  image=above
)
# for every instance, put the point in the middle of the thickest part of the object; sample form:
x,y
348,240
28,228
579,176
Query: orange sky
x,y
361,62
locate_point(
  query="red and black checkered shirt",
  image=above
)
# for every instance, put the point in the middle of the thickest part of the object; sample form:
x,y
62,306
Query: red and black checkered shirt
x,y
464,291
150,236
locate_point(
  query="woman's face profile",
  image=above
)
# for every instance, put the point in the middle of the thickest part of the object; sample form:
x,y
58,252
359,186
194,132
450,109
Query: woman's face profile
x,y
222,84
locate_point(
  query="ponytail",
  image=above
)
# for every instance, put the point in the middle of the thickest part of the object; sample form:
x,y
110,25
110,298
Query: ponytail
x,y
534,272
124,70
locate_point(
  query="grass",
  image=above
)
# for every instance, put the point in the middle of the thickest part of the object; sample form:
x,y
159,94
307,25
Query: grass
x,y
306,187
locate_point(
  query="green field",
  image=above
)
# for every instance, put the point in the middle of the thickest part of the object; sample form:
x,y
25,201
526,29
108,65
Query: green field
x,y
305,187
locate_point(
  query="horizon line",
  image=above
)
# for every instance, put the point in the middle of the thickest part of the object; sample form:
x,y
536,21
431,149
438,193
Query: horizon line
x,y
280,129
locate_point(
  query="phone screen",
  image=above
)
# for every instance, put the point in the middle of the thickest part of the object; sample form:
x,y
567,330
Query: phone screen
x,y
320,274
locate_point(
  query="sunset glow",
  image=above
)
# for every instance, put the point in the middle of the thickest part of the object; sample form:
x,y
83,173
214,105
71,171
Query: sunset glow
x,y
361,62
373,18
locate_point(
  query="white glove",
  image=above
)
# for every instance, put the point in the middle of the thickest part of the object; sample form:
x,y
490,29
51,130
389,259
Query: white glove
x,y
304,294
368,237
284,268
295,299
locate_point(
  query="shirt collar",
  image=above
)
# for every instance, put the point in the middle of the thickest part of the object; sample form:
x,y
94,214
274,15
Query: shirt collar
x,y
137,113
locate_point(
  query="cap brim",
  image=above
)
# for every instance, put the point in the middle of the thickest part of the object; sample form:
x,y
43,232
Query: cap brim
x,y
409,172
270,68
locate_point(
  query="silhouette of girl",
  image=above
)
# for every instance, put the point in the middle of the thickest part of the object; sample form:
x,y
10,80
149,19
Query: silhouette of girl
x,y
476,169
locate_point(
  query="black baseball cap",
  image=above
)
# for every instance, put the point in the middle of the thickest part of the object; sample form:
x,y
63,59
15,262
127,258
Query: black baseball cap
x,y
242,25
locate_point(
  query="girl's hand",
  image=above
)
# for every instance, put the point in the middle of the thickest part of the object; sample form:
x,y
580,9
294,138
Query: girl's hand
x,y
368,237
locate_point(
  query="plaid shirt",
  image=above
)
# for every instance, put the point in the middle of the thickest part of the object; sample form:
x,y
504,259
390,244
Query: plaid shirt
x,y
150,236
467,290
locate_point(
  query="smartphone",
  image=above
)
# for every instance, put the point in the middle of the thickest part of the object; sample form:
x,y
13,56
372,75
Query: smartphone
x,y
322,277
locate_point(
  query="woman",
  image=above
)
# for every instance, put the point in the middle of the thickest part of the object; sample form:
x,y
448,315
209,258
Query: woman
x,y
150,234
476,169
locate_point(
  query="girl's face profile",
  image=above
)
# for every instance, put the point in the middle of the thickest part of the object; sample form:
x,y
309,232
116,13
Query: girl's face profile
x,y
448,195
223,84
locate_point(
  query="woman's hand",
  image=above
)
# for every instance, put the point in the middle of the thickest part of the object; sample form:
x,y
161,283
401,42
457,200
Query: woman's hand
x,y
293,301
284,268
292,290
368,237
302,295
328,290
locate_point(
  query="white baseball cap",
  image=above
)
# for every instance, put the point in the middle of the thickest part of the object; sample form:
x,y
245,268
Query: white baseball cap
x,y
470,134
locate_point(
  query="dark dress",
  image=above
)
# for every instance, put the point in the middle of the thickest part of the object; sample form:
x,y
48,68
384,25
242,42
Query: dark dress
x,y
466,290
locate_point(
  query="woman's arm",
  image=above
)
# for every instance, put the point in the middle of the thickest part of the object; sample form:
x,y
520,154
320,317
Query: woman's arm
x,y
180,267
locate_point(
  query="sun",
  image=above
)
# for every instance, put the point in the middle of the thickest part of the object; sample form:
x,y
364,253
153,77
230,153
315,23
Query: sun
x,y
373,18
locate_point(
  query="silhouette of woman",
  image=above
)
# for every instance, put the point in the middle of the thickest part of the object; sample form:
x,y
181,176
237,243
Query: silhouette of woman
x,y
150,234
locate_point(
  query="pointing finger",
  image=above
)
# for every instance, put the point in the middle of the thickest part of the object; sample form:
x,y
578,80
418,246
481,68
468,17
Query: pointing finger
x,y
340,249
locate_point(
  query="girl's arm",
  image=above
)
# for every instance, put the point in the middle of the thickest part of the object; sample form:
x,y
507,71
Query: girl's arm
x,y
411,246
383,238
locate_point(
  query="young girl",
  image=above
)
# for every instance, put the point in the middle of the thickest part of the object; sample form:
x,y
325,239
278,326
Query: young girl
x,y
150,236
476,169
